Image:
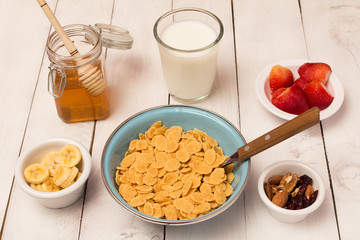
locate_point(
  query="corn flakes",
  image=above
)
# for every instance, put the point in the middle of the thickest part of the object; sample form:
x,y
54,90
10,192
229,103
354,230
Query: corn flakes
x,y
172,174
172,164
148,209
230,177
184,205
220,196
137,201
170,212
182,155
158,211
201,208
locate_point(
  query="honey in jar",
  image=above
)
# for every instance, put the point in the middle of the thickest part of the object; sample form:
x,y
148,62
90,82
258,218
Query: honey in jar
x,y
77,104
78,83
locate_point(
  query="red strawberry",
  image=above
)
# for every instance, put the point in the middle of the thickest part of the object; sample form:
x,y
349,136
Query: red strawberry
x,y
315,72
302,83
280,77
278,92
292,100
318,95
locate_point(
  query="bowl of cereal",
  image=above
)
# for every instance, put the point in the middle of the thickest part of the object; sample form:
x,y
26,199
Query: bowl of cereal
x,y
291,190
164,165
54,172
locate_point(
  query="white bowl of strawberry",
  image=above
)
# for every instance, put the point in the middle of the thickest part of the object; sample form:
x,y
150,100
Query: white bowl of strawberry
x,y
290,87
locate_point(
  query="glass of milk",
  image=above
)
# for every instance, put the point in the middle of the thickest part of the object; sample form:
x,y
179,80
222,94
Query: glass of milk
x,y
188,40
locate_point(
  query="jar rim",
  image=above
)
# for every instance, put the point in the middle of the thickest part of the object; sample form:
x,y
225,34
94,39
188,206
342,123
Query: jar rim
x,y
54,38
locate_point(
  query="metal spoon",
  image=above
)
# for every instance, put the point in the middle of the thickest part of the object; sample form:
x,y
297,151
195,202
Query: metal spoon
x,y
275,136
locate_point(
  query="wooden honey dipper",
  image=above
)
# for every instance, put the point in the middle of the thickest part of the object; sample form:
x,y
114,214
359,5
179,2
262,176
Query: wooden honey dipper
x,y
91,78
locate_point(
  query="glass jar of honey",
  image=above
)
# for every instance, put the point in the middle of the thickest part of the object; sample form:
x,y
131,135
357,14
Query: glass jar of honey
x,y
78,83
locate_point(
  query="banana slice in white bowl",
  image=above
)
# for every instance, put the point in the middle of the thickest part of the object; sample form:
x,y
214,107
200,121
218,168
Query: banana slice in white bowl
x,y
36,173
55,180
70,155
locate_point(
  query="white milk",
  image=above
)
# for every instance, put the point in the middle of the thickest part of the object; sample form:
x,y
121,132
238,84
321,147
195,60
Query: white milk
x,y
189,75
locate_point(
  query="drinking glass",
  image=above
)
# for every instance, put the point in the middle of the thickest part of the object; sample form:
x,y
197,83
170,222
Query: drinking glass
x,y
188,41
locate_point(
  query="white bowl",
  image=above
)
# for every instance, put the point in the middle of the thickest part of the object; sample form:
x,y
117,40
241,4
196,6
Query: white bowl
x,y
64,197
281,168
263,91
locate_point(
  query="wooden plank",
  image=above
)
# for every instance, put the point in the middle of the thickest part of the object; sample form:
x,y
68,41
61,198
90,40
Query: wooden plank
x,y
26,218
224,101
332,35
136,83
266,31
20,62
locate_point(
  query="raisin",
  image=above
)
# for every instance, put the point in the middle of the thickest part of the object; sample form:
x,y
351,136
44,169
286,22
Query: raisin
x,y
298,201
302,190
291,206
313,197
289,201
305,179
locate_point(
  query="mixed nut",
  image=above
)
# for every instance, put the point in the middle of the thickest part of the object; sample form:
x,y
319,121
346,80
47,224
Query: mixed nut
x,y
291,191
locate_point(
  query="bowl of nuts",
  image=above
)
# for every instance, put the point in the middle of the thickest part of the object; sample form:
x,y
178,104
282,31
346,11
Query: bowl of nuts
x,y
291,190
165,165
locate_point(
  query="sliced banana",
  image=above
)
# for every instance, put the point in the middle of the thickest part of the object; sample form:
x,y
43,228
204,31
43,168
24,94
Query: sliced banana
x,y
71,178
49,186
36,173
36,187
51,160
61,173
56,171
78,176
51,172
70,155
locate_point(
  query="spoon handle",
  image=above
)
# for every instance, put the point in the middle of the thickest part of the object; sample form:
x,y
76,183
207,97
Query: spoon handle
x,y
279,134
58,28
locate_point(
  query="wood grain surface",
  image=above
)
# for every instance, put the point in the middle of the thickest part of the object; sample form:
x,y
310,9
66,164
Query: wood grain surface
x,y
257,33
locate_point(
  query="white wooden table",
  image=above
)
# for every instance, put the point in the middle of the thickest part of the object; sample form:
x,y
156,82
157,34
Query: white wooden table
x,y
256,34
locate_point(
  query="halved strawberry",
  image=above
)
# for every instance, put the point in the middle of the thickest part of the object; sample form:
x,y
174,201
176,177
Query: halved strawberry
x,y
280,77
292,100
302,83
315,72
318,95
278,92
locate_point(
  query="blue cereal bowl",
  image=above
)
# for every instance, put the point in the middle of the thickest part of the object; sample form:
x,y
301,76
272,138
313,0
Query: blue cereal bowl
x,y
227,135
